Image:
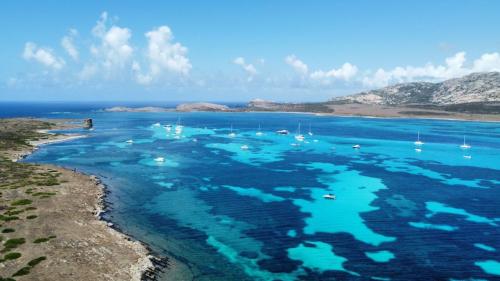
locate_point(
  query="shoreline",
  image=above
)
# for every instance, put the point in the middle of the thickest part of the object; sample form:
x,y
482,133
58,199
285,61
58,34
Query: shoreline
x,y
144,268
89,192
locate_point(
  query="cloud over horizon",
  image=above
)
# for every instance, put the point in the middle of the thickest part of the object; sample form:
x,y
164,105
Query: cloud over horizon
x,y
108,54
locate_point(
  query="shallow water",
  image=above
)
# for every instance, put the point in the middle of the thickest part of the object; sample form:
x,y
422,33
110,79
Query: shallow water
x,y
258,213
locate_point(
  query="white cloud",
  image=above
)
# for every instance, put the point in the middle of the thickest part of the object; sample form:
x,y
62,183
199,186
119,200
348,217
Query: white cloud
x,y
346,72
299,66
163,55
248,68
67,42
42,55
112,54
487,62
454,67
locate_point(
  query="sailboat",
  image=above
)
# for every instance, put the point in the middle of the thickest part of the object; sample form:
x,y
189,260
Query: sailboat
x,y
465,145
299,136
418,142
259,132
178,127
310,133
231,134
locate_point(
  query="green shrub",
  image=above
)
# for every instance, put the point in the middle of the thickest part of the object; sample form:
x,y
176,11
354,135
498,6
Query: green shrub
x,y
8,230
23,271
21,202
12,243
30,217
12,256
41,240
36,261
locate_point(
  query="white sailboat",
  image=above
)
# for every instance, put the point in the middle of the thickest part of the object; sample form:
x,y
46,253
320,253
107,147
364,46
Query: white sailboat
x,y
418,142
310,133
259,132
465,145
231,134
178,127
299,136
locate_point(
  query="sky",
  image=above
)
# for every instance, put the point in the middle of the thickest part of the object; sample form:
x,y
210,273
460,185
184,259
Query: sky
x,y
237,50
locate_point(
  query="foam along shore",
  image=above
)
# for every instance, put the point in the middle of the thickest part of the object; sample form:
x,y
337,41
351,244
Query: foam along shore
x,y
53,217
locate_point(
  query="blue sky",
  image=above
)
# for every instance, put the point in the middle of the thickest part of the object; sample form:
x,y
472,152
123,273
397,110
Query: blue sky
x,y
238,50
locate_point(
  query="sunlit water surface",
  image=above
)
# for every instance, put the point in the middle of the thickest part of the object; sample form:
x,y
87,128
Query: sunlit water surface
x,y
232,213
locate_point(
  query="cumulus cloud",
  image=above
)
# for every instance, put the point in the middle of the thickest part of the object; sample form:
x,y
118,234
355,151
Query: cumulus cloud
x,y
67,42
248,68
164,56
41,55
299,66
487,62
112,54
453,67
346,72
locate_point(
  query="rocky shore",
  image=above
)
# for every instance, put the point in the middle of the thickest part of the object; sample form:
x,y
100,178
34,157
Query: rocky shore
x,y
51,222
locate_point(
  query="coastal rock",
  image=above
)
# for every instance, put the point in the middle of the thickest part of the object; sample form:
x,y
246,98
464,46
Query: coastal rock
x,y
87,123
202,106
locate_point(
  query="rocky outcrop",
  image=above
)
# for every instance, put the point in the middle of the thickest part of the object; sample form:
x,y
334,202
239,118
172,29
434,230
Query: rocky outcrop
x,y
87,123
473,88
202,106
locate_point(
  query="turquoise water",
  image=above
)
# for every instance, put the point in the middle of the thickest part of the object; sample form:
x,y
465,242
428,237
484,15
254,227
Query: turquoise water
x,y
258,212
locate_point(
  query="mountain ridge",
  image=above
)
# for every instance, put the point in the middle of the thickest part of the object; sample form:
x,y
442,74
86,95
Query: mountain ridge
x,y
479,87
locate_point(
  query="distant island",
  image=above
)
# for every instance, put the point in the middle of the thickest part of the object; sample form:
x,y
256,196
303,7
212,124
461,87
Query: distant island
x,y
472,97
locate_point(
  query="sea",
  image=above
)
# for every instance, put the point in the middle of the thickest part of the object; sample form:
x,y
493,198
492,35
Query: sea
x,y
234,204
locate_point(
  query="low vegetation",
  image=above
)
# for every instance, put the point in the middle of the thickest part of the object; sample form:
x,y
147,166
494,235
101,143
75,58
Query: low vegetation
x,y
21,186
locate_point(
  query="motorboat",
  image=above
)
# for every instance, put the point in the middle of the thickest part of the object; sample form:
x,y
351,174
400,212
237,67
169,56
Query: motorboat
x,y
467,156
130,141
282,132
160,159
244,147
330,196
156,125
356,146
418,149
168,127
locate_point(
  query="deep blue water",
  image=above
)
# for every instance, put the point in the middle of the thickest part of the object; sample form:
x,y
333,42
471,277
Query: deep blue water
x,y
258,213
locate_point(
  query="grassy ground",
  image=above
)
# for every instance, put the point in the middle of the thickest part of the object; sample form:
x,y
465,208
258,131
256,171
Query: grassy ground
x,y
22,185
